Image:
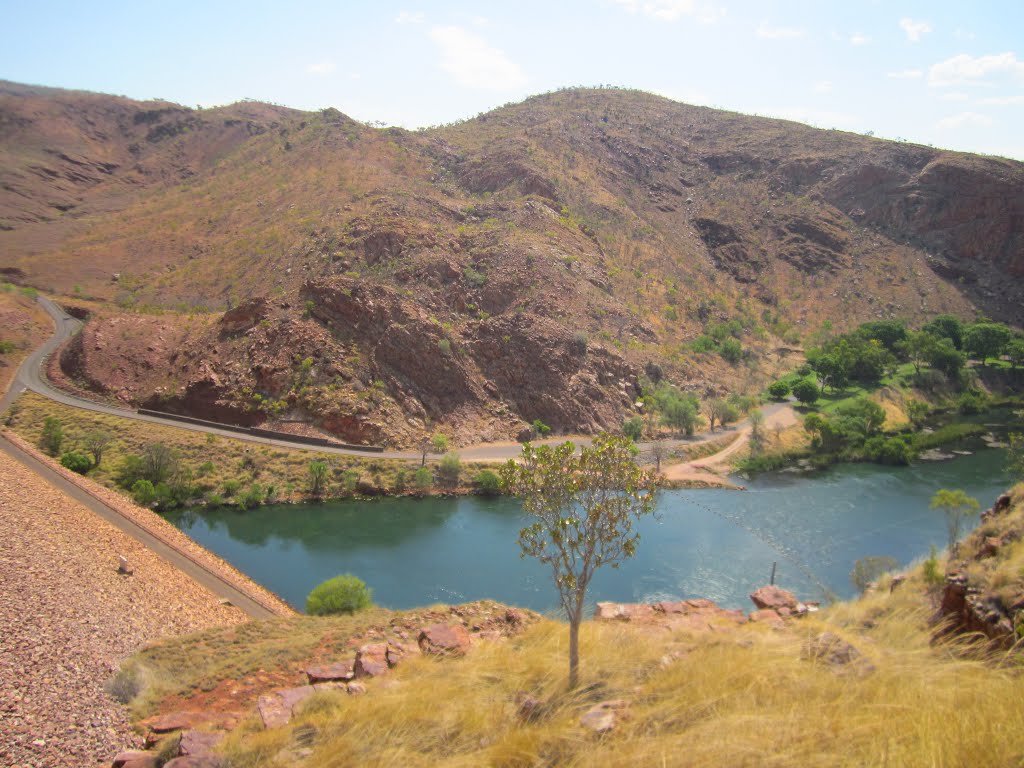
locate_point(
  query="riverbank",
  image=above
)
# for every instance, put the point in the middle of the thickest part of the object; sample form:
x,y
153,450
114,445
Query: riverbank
x,y
68,619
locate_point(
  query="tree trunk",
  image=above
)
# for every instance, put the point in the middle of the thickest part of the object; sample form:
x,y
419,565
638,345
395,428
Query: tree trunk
x,y
574,651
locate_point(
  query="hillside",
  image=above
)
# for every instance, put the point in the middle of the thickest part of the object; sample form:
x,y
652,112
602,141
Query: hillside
x,y
590,234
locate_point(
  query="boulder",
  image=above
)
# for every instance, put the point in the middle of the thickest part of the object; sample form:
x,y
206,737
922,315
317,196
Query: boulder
x,y
199,743
192,761
623,611
836,653
603,717
769,617
775,598
177,721
355,689
372,660
445,640
326,673
134,758
399,651
276,708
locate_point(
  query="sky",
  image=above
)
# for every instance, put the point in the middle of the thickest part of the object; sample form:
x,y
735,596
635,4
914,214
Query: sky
x,y
949,74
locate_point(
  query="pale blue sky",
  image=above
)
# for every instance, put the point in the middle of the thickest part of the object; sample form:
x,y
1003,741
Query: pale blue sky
x,y
944,73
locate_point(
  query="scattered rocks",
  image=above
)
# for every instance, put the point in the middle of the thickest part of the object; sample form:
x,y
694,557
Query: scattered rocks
x,y
199,743
324,673
276,709
134,758
372,660
832,650
767,616
602,718
774,598
445,640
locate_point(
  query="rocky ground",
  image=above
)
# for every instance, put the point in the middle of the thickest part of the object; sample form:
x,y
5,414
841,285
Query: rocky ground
x,y
67,619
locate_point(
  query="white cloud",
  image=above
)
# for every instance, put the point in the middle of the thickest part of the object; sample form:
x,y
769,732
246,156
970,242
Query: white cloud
x,y
779,33
955,96
859,39
481,21
964,120
321,68
824,86
906,74
410,17
1002,101
915,29
968,70
474,63
673,10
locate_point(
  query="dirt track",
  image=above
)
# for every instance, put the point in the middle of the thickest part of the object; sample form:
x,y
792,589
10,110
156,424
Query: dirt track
x,y
67,619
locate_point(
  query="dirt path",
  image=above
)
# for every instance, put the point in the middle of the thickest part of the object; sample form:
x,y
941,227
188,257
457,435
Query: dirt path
x,y
711,469
68,618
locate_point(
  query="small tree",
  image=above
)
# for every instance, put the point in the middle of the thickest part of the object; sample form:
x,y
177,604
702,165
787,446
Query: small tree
x,y
76,462
806,391
584,508
423,480
96,442
436,443
757,432
778,390
342,594
487,483
159,461
317,476
985,340
449,469
52,437
540,429
633,428
660,450
1015,456
917,412
957,505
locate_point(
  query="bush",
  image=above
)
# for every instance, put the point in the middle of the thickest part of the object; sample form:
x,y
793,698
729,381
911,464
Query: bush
x,y
888,450
231,487
633,428
342,594
423,480
448,470
252,498
143,492
867,570
487,483
972,402
52,436
933,575
806,391
779,390
76,462
540,428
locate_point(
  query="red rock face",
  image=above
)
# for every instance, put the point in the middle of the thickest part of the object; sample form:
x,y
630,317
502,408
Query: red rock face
x,y
445,640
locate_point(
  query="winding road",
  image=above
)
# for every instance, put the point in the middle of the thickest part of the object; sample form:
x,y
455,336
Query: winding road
x,y
31,376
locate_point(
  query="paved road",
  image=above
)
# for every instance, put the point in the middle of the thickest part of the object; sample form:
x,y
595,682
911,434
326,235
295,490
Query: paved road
x,y
31,376
179,560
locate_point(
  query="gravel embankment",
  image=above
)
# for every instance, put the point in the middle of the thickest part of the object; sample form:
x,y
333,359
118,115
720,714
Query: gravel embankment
x,y
67,619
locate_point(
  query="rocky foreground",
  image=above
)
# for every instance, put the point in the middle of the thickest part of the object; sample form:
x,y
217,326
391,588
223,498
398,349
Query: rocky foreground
x,y
68,618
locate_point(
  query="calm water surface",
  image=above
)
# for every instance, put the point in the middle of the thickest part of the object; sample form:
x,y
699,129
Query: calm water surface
x,y
718,544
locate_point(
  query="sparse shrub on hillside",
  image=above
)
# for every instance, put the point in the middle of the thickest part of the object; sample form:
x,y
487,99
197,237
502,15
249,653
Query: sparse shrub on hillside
x,y
6,347
867,570
957,506
448,470
96,442
342,594
230,487
540,429
633,428
52,437
143,492
76,462
317,478
972,402
423,480
445,346
930,570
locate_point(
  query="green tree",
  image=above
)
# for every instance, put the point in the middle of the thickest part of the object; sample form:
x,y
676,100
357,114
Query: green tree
x,y
96,443
917,412
660,450
985,340
76,462
720,410
487,483
584,507
540,429
682,414
633,428
957,506
1015,351
947,327
342,594
948,359
888,333
52,437
423,480
779,390
316,475
159,462
918,348
806,391
757,432
1015,456
436,443
143,492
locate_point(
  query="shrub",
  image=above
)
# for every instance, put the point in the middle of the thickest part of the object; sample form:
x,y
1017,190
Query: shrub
x,y
888,450
401,480
867,570
231,488
779,390
448,470
423,480
52,436
342,594
487,483
933,575
972,402
445,346
252,498
633,428
76,462
317,471
731,350
540,428
143,492
806,391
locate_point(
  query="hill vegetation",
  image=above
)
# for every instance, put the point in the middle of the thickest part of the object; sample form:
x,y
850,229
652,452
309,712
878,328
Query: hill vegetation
x,y
380,281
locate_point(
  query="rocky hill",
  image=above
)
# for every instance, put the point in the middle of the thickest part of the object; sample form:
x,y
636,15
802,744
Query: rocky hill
x,y
253,262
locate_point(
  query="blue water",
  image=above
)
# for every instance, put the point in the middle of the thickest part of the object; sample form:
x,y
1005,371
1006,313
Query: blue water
x,y
718,544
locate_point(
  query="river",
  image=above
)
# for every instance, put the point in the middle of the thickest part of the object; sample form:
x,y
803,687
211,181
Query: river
x,y
718,544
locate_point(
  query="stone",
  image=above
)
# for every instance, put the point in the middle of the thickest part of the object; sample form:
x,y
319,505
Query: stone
x,y
199,743
177,721
325,673
623,611
192,761
897,582
134,758
276,708
355,689
445,640
603,717
399,651
372,660
835,652
769,617
774,597
989,547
